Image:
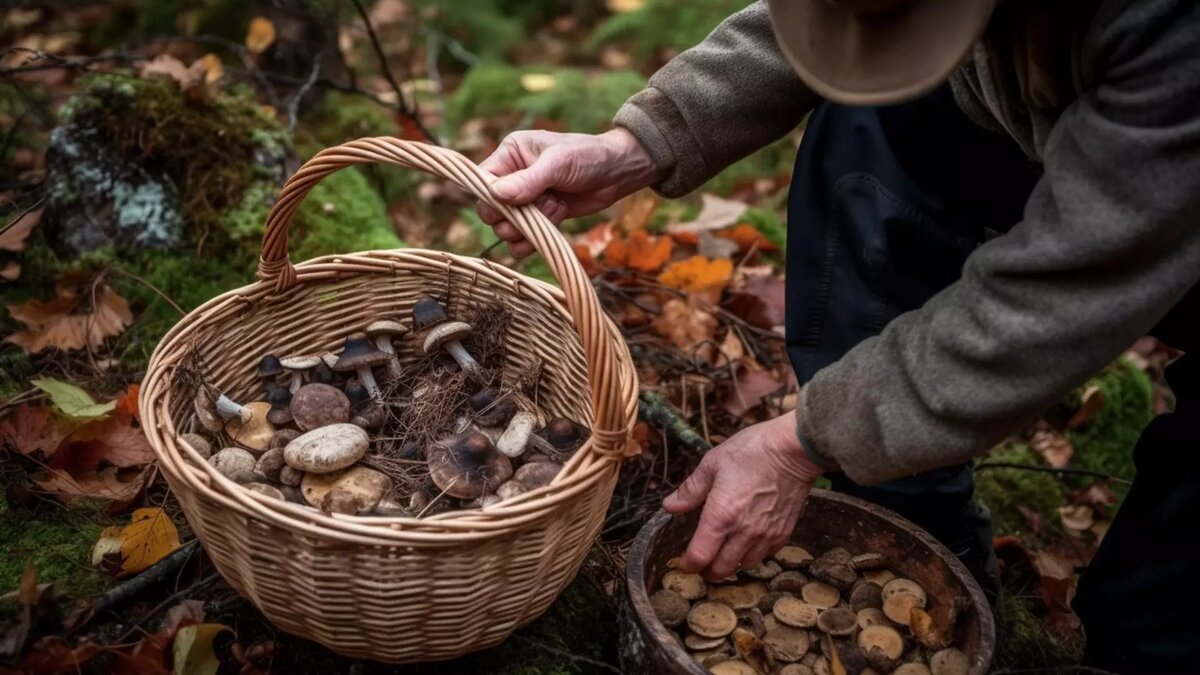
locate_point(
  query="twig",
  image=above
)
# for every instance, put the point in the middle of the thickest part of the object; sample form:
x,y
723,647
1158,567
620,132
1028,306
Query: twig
x,y
151,286
169,601
294,105
155,574
14,221
410,111
574,658
439,496
1050,469
655,409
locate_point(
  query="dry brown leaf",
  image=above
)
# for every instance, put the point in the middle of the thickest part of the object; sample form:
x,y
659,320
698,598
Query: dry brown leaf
x,y
684,325
260,35
13,236
750,387
112,483
70,321
732,349
758,299
1078,518
923,628
112,441
11,271
1051,445
699,275
1091,405
640,252
715,213
28,430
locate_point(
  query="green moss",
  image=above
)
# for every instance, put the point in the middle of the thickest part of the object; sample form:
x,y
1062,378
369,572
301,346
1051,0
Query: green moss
x,y
1004,490
342,214
1027,641
770,223
659,24
15,370
1106,443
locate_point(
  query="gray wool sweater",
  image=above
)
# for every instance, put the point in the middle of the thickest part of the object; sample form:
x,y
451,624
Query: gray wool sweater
x,y
1106,99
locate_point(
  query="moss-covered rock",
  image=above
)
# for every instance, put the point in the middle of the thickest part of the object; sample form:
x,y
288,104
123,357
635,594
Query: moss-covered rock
x,y
1106,442
1005,490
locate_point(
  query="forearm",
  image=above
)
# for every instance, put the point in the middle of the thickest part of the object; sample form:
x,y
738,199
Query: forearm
x,y
717,102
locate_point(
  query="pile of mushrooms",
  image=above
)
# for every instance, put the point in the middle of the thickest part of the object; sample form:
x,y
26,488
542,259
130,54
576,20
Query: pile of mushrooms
x,y
304,440
797,615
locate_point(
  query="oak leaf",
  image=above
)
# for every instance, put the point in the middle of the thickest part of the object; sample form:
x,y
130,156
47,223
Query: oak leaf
x,y
148,538
699,275
13,236
112,484
260,35
70,320
28,430
640,252
684,325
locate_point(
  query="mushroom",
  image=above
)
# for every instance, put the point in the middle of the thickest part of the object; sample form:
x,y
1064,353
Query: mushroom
x,y
488,500
327,449
270,464
264,489
354,491
795,613
750,648
388,506
949,662
565,435
792,558
864,595
767,602
871,616
785,643
253,434
912,669
751,619
766,570
820,595
837,621
357,394
317,405
279,398
732,668
467,466
834,573
790,581
290,477
868,561
671,609
739,597
711,619
509,489
879,577
796,669
699,643
269,369
323,374
690,586
446,336
213,409
492,409
516,435
281,438
298,366
371,418
198,443
427,312
359,355
383,332
235,464
882,645
900,596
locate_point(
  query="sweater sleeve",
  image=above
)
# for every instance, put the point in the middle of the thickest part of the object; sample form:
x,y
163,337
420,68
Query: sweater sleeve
x,y
717,102
1108,243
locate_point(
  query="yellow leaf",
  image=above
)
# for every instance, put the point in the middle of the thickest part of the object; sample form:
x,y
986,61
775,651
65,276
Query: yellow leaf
x,y
538,82
213,68
150,537
260,35
193,649
699,275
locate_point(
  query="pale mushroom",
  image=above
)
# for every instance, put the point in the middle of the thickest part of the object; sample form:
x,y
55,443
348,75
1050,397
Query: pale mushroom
x,y
198,443
509,489
820,595
290,477
711,619
447,335
317,405
488,500
796,669
327,449
912,669
732,668
767,602
669,607
388,506
742,596
516,435
537,474
879,577
790,581
298,366
253,434
795,613
382,332
837,621
213,410
359,356
766,569
264,489
882,645
280,399
236,464
270,464
467,466
357,490
949,662
690,586
491,409
900,596
793,557
699,643
786,644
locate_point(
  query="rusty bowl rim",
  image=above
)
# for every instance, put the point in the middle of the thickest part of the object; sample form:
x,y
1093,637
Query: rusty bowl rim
x,y
639,598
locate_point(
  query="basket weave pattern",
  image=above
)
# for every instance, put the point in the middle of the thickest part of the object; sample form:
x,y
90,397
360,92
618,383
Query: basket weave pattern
x,y
399,589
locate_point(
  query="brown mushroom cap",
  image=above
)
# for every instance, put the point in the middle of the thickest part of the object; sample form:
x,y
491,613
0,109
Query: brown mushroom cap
x,y
906,586
386,327
879,577
732,668
264,489
838,554
537,474
290,477
689,586
796,669
820,595
767,602
837,621
427,312
270,464
949,662
868,561
198,443
864,595
699,643
280,412
358,352
491,409
354,491
564,435
884,638
742,596
764,570
669,607
327,449
205,406
899,607
790,581
316,405
837,574
871,616
793,557
467,466
236,464
786,644
795,613
255,434
711,619
912,669
441,334
282,437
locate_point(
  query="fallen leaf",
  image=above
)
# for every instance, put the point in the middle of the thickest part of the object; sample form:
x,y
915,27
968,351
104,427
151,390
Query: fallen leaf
x,y
213,68
69,321
113,441
127,403
53,656
11,271
148,657
640,252
72,402
699,275
749,389
112,483
634,211
731,349
1091,405
13,236
1032,518
186,613
1056,585
150,537
715,213
620,6
596,239
1051,445
193,649
538,82
28,430
260,35
921,624
715,247
1079,517
684,325
758,300
747,237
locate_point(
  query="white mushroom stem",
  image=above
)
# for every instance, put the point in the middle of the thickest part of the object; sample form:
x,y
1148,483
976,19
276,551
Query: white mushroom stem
x,y
465,360
514,439
297,381
368,380
228,409
384,344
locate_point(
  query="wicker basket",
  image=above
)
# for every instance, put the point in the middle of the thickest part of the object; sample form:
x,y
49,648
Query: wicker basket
x,y
399,589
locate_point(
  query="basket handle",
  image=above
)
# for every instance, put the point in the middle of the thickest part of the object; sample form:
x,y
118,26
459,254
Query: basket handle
x,y
591,323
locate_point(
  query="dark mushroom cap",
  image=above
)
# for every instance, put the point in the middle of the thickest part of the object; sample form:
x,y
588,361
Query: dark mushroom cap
x,y
467,466
564,434
269,366
357,393
322,374
358,352
427,312
316,405
492,410
279,398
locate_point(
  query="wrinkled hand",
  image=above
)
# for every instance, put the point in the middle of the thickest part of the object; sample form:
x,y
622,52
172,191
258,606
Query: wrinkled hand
x,y
753,487
564,175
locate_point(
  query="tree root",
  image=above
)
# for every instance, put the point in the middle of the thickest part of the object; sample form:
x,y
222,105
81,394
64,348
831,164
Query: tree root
x,y
657,410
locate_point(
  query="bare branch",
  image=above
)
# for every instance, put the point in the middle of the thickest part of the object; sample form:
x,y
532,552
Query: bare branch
x,y
408,110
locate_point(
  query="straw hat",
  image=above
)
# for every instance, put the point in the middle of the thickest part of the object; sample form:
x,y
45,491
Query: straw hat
x,y
877,52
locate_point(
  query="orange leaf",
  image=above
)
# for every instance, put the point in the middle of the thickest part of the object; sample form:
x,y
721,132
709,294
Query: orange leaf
x,y
260,35
70,320
635,210
699,275
596,239
747,237
921,624
640,252
13,236
127,403
684,325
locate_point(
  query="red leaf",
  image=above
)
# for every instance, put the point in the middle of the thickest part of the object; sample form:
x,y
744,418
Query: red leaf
x,y
750,387
127,403
30,430
758,299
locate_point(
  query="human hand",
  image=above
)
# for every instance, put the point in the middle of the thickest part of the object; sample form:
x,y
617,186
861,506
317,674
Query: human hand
x,y
564,175
753,487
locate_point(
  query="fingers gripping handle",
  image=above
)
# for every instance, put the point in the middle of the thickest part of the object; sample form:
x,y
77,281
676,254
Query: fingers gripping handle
x,y
590,321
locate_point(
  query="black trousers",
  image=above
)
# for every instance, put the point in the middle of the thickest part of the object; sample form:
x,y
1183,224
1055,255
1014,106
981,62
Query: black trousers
x,y
885,205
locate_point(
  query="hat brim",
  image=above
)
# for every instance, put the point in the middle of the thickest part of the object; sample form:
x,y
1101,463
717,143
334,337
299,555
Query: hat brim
x,y
877,60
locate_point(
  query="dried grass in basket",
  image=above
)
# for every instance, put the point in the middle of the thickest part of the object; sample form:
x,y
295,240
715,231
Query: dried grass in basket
x,y
399,589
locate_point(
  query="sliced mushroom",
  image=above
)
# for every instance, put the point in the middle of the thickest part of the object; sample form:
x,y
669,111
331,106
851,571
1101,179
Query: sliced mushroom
x,y
467,466
882,645
903,586
766,569
270,464
752,620
732,668
290,477
280,399
516,435
269,369
537,474
711,619
820,595
742,596
796,669
949,662
359,356
669,607
838,554
786,644
317,405
236,464
264,489
699,643
795,613
327,449
871,616
837,574
689,586
382,333
912,669
837,621
282,437
879,577
492,409
769,620
767,602
298,366
790,581
868,561
793,558
864,595
253,434
899,597
198,443
354,491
